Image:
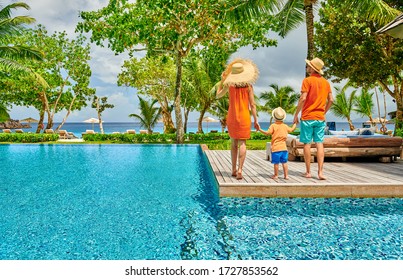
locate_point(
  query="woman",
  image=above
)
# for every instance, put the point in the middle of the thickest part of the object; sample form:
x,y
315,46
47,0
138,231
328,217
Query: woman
x,y
237,79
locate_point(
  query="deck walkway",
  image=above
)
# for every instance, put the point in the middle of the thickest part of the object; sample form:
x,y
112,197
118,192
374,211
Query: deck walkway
x,y
344,179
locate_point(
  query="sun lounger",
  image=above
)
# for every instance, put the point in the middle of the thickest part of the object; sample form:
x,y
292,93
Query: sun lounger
x,y
49,131
63,134
385,148
143,131
6,130
18,130
88,131
130,131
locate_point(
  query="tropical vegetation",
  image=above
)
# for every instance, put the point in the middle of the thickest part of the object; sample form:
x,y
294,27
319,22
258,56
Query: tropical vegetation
x,y
188,44
150,114
284,97
348,41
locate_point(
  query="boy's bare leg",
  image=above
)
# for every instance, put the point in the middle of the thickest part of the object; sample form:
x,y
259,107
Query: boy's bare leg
x,y
276,167
285,170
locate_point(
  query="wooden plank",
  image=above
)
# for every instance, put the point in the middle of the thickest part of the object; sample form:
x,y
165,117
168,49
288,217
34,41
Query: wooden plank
x,y
345,179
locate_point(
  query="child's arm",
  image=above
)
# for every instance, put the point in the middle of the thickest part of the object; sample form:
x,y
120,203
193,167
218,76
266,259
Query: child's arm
x,y
264,132
293,127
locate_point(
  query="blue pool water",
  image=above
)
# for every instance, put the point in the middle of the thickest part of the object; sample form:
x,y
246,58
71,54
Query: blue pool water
x,y
159,202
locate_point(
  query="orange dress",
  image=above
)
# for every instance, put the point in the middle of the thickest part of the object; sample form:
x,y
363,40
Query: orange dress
x,y
238,118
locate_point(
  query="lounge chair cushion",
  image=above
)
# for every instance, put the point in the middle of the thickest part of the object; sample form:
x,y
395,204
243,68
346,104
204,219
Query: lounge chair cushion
x,y
346,133
367,131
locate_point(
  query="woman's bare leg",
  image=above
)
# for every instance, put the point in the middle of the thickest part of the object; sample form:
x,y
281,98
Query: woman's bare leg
x,y
242,156
234,155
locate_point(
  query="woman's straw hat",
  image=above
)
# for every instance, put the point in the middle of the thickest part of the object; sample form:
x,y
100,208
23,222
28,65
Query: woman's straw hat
x,y
279,114
241,72
317,64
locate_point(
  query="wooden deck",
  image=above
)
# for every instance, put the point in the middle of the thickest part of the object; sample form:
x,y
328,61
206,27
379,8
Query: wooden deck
x,y
344,179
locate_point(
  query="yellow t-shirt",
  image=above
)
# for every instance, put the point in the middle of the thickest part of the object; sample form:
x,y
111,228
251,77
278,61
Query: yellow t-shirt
x,y
279,132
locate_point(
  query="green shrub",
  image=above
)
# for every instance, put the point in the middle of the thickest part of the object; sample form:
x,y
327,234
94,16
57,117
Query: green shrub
x,y
28,137
399,132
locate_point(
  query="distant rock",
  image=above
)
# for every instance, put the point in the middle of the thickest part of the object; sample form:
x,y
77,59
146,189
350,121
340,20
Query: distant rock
x,y
13,124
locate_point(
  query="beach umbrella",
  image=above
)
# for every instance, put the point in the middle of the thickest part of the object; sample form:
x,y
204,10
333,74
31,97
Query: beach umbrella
x,y
394,28
208,120
29,120
92,120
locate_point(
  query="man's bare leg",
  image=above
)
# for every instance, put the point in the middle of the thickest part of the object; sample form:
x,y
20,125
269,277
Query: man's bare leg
x,y
307,159
320,155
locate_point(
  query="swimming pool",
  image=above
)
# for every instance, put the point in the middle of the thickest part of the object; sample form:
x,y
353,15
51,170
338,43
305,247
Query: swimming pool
x,y
160,202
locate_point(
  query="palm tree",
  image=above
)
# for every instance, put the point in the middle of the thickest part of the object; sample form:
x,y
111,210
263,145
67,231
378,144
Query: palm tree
x,y
10,54
295,12
343,105
364,104
284,97
149,115
220,109
4,116
199,83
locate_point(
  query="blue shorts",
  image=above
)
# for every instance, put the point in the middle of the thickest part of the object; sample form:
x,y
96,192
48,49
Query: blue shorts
x,y
312,130
279,157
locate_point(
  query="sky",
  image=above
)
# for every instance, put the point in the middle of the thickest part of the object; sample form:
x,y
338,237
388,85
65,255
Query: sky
x,y
282,65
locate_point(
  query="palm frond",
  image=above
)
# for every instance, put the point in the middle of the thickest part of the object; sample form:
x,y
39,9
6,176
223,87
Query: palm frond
x,y
20,52
376,10
5,12
291,16
247,9
14,25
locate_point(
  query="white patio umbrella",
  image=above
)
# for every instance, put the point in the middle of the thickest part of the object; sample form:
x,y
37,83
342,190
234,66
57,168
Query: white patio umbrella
x,y
394,28
208,120
92,120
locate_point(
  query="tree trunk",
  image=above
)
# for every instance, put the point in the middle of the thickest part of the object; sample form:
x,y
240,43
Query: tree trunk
x,y
223,125
185,124
67,114
399,110
167,120
177,103
41,119
350,123
309,31
200,122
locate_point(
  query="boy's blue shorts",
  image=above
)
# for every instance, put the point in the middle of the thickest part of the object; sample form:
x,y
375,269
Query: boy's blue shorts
x,y
312,130
279,157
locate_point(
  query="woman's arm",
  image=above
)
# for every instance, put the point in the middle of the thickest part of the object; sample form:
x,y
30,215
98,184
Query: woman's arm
x,y
253,107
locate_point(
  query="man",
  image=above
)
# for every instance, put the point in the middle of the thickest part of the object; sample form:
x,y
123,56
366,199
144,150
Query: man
x,y
316,99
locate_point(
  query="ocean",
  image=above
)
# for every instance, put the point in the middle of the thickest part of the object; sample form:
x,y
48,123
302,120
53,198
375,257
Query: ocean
x,y
79,127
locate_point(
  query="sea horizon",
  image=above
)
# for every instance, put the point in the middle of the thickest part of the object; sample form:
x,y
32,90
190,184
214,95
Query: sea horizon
x,y
109,127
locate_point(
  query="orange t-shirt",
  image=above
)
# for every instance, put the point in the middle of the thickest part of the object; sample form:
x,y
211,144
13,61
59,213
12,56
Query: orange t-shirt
x,y
238,118
279,132
318,89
